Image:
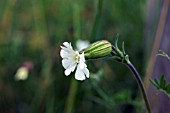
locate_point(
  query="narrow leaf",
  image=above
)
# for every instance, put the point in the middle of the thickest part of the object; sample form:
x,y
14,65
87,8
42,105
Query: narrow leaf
x,y
155,83
162,53
168,88
162,85
123,48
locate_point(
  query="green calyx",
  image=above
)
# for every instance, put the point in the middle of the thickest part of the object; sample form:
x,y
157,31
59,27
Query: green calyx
x,y
98,49
119,55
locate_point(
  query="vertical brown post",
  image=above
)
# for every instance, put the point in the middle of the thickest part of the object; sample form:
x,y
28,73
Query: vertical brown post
x,y
159,65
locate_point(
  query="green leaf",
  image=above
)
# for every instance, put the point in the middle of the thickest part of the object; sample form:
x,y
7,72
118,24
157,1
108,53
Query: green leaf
x,y
155,83
161,85
162,53
163,82
168,88
123,48
117,39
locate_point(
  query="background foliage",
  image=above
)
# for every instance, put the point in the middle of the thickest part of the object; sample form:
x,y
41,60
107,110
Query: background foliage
x,y
33,30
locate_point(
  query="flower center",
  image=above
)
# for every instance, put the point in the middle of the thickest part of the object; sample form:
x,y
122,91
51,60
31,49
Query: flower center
x,y
77,58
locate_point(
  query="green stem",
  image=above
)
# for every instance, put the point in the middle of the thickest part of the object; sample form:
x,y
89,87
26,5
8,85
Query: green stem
x,y
97,19
71,97
140,83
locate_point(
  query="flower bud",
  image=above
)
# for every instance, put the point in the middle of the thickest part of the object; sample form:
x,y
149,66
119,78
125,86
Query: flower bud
x,y
98,49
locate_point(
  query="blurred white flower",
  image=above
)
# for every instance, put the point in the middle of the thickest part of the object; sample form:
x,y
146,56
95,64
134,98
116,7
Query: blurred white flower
x,y
82,44
23,71
22,74
71,60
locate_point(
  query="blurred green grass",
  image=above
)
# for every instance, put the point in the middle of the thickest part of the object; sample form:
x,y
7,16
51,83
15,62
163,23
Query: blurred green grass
x,y
33,30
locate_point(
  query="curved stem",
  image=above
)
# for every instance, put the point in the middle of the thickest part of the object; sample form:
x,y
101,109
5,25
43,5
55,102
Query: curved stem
x,y
140,83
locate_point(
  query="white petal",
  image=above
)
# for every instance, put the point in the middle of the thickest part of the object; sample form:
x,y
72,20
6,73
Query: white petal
x,y
82,44
79,75
66,63
81,65
82,57
66,44
64,48
64,54
70,69
86,72
67,47
68,53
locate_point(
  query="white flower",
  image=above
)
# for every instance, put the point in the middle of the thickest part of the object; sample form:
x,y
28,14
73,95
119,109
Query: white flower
x,y
71,60
82,44
22,74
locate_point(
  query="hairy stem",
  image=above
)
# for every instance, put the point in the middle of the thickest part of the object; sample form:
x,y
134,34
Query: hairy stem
x,y
140,83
